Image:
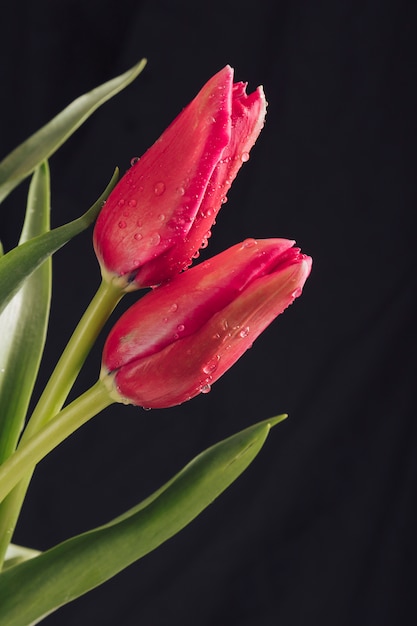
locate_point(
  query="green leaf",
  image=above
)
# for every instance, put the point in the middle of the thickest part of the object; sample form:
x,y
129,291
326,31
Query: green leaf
x,y
40,146
37,587
23,326
20,262
23,323
18,554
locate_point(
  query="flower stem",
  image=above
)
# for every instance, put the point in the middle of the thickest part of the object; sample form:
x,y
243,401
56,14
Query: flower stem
x,y
33,449
73,357
55,394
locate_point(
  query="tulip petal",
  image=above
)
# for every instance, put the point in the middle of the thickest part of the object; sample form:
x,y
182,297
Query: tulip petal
x,y
157,200
180,338
161,212
182,306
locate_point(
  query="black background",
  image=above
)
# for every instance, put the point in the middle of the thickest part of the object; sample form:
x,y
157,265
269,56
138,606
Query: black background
x,y
321,529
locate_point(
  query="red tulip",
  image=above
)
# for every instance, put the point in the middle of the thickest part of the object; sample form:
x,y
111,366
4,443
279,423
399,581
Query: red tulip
x,y
181,337
160,213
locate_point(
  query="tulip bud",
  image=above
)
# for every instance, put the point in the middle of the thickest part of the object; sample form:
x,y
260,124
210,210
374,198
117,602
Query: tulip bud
x,y
181,337
160,213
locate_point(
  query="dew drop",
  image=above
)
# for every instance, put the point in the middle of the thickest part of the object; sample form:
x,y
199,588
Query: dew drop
x,y
205,388
297,292
159,188
121,202
180,328
244,332
180,191
249,243
196,254
155,239
132,203
204,244
139,223
122,224
134,160
173,307
211,365
244,157
138,236
161,217
224,200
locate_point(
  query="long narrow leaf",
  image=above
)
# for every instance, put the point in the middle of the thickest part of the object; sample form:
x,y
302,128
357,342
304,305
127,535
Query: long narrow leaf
x,y
20,262
25,158
18,554
23,323
37,587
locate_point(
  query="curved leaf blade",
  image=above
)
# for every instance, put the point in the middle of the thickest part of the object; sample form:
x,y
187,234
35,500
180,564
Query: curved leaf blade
x,y
37,587
22,161
18,554
23,323
20,262
23,326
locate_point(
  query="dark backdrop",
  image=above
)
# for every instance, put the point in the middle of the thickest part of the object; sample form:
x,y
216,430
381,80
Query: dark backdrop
x,y
321,529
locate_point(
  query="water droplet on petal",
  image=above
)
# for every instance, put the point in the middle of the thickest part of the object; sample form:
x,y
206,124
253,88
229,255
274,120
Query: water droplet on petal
x,y
205,388
244,157
122,224
196,255
244,332
211,366
155,239
161,217
121,202
249,243
159,188
138,236
180,327
224,200
297,292
181,191
139,223
173,308
132,203
134,160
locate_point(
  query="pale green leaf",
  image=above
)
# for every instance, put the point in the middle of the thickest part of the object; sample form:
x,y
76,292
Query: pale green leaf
x,y
17,554
41,145
23,323
37,587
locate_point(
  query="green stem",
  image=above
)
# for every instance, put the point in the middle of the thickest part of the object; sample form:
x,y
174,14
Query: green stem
x,y
35,448
56,392
73,357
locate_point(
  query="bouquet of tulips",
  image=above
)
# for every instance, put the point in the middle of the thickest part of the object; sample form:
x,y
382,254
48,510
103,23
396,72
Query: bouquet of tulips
x,y
186,331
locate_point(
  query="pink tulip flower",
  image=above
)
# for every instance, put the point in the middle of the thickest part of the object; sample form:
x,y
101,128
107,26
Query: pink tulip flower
x,y
160,213
181,337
